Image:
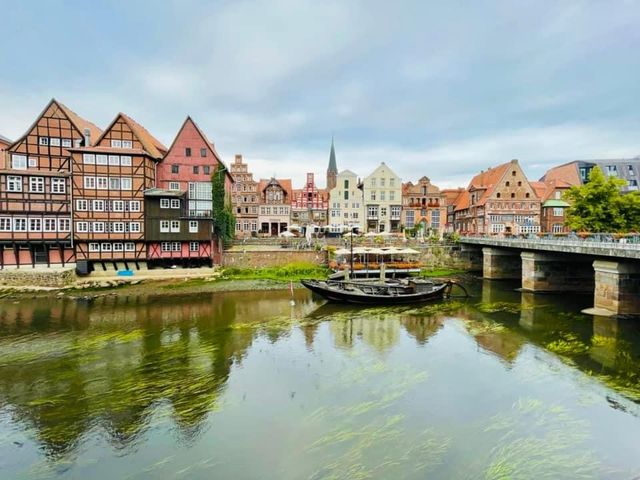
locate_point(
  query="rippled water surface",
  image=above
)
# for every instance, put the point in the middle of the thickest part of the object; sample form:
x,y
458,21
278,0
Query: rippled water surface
x,y
246,386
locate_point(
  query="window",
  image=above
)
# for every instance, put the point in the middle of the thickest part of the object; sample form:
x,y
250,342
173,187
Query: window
x,y
35,224
175,203
19,224
116,143
373,183
102,159
558,212
513,195
58,185
82,205
392,182
127,144
88,158
392,195
187,152
114,183
166,246
94,247
382,182
383,211
134,227
134,206
513,173
82,227
97,205
174,186
43,141
118,227
164,226
129,247
175,226
193,226
164,203
66,142
49,225
373,195
372,211
612,170
97,227
36,184
54,142
118,247
254,226
125,183
203,152
102,183
114,160
506,184
557,228
125,160
19,162
196,169
206,170
117,206
175,246
395,212
64,225
382,196
14,184
89,182
498,195
194,246
630,169
410,218
175,168
33,162
105,247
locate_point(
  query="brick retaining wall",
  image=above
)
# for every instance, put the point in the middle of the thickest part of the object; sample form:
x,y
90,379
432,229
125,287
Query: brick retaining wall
x,y
272,258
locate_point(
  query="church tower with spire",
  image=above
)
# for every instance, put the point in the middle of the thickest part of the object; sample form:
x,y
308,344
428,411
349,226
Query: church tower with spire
x,y
332,171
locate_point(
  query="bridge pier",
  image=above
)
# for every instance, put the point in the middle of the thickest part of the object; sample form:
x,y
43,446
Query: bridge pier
x,y
548,272
501,264
472,256
617,290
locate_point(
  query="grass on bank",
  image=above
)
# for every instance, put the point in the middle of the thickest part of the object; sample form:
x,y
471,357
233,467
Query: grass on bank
x,y
291,272
440,272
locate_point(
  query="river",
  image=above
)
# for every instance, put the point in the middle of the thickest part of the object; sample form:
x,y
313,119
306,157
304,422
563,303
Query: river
x,y
243,385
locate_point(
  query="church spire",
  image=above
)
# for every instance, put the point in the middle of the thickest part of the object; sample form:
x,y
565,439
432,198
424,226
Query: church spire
x,y
332,171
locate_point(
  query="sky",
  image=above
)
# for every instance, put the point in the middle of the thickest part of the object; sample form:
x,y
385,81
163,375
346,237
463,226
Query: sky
x,y
442,89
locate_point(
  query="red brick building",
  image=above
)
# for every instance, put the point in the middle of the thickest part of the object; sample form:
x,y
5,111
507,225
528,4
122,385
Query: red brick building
x,y
35,189
552,206
424,207
244,198
309,204
178,220
110,177
5,143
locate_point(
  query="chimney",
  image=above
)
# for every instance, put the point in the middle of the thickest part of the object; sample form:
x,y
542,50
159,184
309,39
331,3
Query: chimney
x,y
87,137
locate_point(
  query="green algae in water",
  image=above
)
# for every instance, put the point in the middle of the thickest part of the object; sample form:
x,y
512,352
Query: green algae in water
x,y
568,344
495,307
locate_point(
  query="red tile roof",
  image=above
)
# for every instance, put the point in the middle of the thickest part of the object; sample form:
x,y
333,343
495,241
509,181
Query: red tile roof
x,y
80,123
567,172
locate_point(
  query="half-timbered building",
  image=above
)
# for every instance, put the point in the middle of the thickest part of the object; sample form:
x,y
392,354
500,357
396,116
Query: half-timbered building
x,y
179,219
309,204
109,180
35,189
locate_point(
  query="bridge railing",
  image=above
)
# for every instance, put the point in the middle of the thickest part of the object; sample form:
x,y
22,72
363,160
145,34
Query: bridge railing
x,y
626,242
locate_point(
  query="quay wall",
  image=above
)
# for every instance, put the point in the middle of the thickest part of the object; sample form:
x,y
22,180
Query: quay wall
x,y
38,277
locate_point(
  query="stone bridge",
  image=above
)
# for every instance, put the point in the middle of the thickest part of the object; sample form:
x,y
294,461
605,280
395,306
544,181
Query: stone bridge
x,y
609,269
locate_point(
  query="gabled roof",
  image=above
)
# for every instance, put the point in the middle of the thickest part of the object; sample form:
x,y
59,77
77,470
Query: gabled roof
x,y
567,172
462,201
539,188
76,120
284,183
210,145
347,172
4,139
80,123
152,145
488,179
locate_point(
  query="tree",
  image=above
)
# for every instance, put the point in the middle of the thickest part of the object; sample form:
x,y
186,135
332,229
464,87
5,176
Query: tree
x,y
222,213
600,206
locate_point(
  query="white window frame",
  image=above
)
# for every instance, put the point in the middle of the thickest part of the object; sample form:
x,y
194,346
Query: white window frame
x,y
94,247
114,160
134,205
175,226
117,206
102,183
193,226
102,159
64,225
43,141
194,246
105,247
174,185
35,224
129,247
125,160
116,143
33,162
82,205
89,183
117,227
176,246
58,185
82,227
97,205
36,184
97,227
127,143
88,158
164,226
175,203
66,142
49,225
114,183
54,142
14,183
19,224
126,183
118,247
134,227
164,203
19,162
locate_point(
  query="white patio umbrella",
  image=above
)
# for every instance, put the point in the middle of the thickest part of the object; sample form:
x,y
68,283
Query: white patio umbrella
x,y
286,234
343,251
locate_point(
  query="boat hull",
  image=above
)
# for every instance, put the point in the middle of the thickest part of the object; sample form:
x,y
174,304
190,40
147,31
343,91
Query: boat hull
x,y
345,296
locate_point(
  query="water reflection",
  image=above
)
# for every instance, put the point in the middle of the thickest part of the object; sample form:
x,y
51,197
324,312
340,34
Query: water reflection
x,y
120,367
